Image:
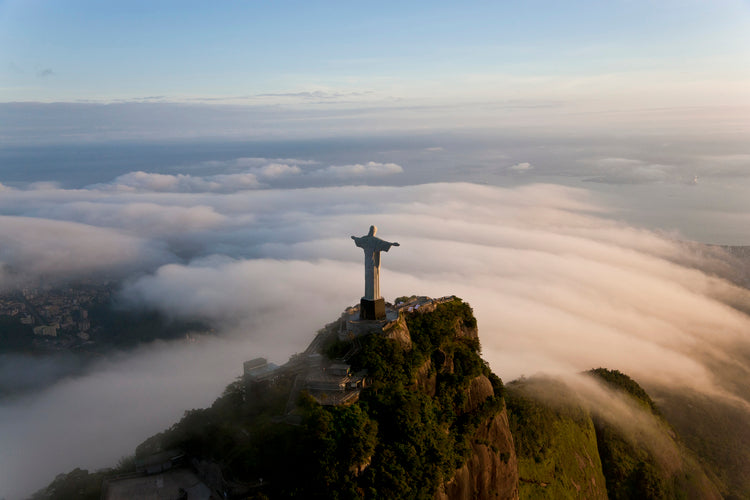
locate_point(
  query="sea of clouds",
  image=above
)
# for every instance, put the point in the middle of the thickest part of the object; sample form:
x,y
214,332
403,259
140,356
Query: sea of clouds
x,y
556,284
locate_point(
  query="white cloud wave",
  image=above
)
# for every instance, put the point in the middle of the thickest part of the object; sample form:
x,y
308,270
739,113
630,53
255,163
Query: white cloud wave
x,y
242,174
183,183
31,248
369,169
275,170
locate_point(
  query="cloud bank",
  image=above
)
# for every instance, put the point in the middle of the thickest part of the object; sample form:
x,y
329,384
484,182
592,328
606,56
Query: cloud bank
x,y
264,174
557,287
359,170
32,249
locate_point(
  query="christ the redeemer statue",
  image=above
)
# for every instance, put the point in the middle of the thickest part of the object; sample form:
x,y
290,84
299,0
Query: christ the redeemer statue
x,y
372,305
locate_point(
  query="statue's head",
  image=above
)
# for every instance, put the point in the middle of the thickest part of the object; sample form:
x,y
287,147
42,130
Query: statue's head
x,y
373,230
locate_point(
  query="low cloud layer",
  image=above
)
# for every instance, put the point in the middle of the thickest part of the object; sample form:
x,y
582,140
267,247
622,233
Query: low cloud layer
x,y
263,174
521,167
361,170
32,249
557,287
630,171
182,183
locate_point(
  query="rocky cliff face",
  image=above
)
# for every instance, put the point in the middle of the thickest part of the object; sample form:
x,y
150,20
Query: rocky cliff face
x,y
491,471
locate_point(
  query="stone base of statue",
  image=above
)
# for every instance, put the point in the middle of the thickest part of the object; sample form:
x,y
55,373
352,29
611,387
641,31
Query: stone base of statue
x,y
372,309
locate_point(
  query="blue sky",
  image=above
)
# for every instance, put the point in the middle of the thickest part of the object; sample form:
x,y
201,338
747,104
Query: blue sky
x,y
366,52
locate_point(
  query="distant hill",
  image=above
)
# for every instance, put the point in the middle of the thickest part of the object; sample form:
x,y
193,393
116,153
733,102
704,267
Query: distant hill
x,y
568,451
738,258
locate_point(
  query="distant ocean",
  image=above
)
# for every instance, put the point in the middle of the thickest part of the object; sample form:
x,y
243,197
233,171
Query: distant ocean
x,y
78,165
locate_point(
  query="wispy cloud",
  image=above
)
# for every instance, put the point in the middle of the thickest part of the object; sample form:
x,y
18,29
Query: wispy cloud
x,y
319,94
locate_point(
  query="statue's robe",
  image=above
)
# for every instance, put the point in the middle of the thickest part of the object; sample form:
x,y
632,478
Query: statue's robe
x,y
372,246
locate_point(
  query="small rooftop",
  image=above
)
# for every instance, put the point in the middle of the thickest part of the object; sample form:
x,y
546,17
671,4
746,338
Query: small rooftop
x,y
170,485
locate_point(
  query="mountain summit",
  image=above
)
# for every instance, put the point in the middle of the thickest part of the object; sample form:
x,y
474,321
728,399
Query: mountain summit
x,y
404,407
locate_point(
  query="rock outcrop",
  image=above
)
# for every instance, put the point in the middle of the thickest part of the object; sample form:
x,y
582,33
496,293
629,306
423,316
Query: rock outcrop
x,y
491,471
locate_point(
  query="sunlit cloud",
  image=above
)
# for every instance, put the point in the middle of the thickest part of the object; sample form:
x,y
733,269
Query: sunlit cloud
x,y
144,181
360,170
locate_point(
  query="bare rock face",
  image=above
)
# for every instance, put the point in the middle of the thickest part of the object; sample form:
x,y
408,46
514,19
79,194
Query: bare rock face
x,y
426,381
399,332
491,471
479,390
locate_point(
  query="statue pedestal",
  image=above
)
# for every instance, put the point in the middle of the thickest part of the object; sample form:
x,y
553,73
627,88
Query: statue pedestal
x,y
372,309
